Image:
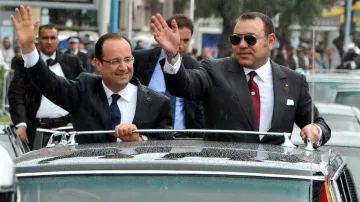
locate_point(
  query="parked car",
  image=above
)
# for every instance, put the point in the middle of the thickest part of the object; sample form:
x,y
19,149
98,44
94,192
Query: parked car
x,y
183,170
344,122
323,86
11,142
348,95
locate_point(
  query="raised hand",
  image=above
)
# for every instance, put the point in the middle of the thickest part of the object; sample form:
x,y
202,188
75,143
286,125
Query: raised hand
x,y
168,38
26,30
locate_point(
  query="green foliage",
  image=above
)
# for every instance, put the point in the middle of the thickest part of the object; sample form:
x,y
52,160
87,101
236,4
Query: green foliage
x,y
303,12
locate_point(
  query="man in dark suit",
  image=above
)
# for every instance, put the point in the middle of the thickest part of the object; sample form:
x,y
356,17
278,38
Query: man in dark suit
x,y
246,91
74,50
29,109
115,100
187,114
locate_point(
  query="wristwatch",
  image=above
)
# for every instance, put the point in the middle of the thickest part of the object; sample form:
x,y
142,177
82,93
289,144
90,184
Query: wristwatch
x,y
173,56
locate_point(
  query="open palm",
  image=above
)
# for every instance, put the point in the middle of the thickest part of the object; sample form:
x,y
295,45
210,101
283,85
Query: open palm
x,y
26,30
169,39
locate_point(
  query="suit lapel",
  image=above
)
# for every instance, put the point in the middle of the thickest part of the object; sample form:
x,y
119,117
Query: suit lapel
x,y
63,64
143,103
280,93
237,79
103,105
150,65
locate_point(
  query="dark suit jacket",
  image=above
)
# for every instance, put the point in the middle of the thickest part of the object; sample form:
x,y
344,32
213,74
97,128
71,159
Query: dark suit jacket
x,y
25,98
222,85
86,101
144,65
83,59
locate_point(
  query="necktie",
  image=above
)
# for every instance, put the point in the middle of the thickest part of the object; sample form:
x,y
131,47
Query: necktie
x,y
50,62
115,111
255,96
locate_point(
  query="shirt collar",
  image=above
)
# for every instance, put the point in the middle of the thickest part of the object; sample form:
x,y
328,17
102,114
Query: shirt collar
x,y
262,71
124,93
45,57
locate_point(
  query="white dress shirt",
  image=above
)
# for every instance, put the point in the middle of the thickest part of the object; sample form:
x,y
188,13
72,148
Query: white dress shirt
x,y
264,80
47,108
126,102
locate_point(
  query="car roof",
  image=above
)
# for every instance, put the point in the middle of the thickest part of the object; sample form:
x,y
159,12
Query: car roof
x,y
179,155
338,109
331,76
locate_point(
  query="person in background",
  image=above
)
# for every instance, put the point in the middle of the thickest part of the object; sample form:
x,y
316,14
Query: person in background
x,y
139,45
7,52
194,53
29,109
74,50
187,114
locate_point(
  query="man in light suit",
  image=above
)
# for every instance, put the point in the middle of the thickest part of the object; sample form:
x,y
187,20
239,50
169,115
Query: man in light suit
x,y
247,91
115,100
187,114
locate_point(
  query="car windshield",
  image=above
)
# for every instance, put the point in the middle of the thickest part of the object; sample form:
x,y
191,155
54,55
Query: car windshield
x,y
348,98
341,122
161,188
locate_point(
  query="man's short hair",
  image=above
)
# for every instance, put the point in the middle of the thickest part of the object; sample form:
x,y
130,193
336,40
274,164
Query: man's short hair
x,y
47,26
268,25
100,42
182,21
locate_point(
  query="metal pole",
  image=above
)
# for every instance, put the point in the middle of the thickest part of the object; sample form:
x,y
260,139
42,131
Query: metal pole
x,y
191,13
192,9
348,19
114,15
103,16
130,18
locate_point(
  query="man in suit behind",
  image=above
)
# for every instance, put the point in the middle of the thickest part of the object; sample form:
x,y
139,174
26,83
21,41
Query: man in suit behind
x,y
186,113
74,50
29,109
113,101
247,91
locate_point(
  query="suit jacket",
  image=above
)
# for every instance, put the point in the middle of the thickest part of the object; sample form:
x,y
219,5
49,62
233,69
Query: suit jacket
x,y
223,87
86,101
83,59
144,65
25,98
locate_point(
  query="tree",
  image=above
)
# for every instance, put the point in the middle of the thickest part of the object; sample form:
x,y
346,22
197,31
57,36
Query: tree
x,y
303,12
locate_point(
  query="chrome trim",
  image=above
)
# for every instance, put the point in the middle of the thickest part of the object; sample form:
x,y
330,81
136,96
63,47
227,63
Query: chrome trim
x,y
336,191
173,172
337,173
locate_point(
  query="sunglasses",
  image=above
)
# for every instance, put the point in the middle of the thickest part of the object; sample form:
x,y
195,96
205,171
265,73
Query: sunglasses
x,y
235,39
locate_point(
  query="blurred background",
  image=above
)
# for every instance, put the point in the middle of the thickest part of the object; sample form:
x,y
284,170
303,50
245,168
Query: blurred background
x,y
213,19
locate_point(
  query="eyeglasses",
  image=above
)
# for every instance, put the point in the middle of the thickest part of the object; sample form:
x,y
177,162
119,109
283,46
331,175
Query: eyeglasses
x,y
250,39
118,61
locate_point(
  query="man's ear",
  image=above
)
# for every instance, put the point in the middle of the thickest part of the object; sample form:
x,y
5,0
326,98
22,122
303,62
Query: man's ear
x,y
98,64
271,41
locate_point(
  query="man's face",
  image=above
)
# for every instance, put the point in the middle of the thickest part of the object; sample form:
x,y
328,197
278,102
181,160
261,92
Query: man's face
x,y
185,38
7,44
257,55
74,46
117,75
48,41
